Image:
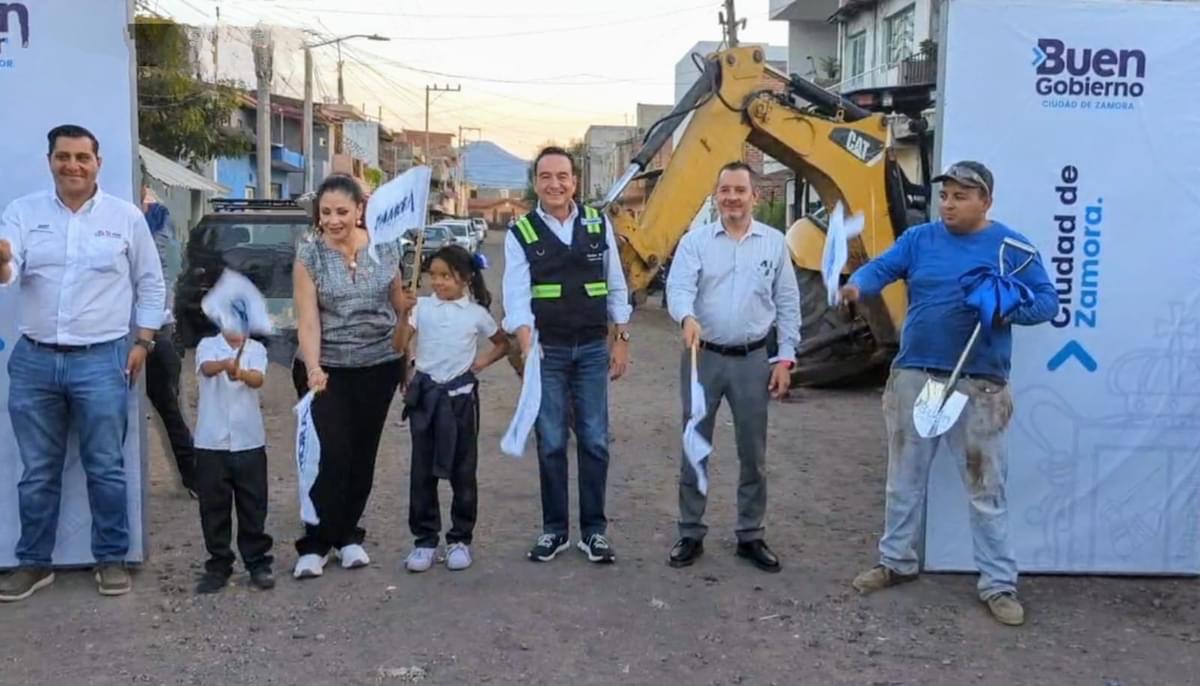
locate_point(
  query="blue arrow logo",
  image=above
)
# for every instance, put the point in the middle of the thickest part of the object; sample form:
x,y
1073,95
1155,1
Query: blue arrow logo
x,y
1039,56
1074,349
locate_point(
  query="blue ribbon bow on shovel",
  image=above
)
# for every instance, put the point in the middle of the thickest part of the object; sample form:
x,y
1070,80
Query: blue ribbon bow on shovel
x,y
993,295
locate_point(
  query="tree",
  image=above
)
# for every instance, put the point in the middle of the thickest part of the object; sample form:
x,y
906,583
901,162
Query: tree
x,y
178,115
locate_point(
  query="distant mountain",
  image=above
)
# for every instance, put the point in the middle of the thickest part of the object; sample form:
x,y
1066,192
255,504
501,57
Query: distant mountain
x,y
491,166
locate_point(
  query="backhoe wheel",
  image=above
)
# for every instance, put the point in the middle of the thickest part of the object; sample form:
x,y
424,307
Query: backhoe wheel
x,y
845,362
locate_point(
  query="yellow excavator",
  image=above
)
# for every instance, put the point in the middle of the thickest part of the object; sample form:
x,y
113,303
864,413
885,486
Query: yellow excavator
x,y
838,150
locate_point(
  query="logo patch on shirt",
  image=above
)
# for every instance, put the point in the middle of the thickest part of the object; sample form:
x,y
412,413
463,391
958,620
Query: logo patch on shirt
x,y
592,221
105,233
766,268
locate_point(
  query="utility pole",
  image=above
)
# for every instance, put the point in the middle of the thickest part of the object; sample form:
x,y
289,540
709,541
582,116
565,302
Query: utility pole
x,y
263,70
434,89
731,23
462,164
307,133
216,48
341,85
308,98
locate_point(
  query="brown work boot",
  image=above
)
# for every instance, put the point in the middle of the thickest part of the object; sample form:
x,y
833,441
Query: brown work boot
x,y
1007,609
24,582
113,579
878,578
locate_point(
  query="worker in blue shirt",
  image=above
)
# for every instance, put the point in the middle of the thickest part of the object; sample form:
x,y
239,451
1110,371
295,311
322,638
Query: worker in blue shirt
x,y
932,258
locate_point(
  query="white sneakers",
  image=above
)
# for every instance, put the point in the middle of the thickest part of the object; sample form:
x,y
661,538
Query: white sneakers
x,y
420,559
458,557
310,566
353,556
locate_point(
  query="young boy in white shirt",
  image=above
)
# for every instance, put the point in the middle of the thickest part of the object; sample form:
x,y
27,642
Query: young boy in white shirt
x,y
231,459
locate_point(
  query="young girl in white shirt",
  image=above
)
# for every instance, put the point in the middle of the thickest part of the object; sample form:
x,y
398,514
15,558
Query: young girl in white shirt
x,y
442,401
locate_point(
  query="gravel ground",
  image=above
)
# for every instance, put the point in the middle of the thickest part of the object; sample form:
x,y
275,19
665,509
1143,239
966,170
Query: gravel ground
x,y
637,622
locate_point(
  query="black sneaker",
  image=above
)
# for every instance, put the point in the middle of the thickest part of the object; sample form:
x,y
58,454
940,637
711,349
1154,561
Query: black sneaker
x,y
212,582
597,549
262,579
548,547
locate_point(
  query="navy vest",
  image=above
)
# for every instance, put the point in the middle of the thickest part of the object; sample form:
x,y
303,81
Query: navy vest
x,y
569,284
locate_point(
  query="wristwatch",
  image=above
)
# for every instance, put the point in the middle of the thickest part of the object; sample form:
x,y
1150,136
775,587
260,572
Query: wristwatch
x,y
147,344
623,336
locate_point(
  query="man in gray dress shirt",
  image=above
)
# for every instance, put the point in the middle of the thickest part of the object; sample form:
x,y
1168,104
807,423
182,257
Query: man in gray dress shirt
x,y
730,283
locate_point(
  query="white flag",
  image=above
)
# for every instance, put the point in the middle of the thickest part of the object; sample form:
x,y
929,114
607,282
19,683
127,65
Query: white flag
x,y
397,206
528,406
837,249
234,304
695,447
308,457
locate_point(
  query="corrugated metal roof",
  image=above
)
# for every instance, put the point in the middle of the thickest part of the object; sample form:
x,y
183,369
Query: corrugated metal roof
x,y
175,174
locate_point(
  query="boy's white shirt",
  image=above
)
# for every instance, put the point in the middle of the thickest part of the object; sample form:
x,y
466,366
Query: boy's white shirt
x,y
448,334
228,416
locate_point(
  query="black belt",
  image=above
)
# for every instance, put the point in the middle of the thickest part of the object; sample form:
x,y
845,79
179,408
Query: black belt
x,y
66,348
932,371
734,350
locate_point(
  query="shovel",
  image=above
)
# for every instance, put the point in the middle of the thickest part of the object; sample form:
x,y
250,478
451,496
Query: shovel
x,y
939,405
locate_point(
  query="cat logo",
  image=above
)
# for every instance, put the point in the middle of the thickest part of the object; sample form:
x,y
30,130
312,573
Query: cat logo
x,y
865,148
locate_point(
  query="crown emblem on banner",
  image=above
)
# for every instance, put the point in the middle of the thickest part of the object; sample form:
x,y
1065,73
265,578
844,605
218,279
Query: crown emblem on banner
x,y
1164,381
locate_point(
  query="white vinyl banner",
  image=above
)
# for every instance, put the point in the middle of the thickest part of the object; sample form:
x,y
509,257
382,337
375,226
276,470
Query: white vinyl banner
x,y
64,62
1082,109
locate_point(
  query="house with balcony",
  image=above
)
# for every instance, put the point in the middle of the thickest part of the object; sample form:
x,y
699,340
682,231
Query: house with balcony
x,y
240,174
887,43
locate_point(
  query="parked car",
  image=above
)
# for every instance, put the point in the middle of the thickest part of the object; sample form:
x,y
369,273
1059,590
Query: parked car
x,y
436,238
463,232
257,238
481,227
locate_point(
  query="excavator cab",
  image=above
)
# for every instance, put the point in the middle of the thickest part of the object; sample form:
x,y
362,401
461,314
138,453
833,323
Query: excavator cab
x,y
839,152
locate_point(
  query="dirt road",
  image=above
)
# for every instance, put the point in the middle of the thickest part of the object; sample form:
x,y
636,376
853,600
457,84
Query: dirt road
x,y
507,621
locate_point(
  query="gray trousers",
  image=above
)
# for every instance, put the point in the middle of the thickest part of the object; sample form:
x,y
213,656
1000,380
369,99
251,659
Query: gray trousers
x,y
742,381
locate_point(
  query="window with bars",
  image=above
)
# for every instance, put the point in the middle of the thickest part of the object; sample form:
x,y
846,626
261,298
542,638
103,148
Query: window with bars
x,y
898,34
856,54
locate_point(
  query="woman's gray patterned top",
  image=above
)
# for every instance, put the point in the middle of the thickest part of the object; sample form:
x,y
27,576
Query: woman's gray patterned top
x,y
357,317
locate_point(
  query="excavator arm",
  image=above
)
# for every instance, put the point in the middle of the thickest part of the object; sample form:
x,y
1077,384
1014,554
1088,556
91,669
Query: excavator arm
x,y
840,150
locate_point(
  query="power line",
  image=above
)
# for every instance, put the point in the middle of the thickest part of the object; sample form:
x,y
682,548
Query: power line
x,y
544,81
537,32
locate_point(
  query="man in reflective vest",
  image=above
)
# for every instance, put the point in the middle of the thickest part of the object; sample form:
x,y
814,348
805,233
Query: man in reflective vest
x,y
562,276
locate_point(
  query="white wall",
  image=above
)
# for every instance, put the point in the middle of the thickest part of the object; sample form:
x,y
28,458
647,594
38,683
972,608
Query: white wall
x,y
815,39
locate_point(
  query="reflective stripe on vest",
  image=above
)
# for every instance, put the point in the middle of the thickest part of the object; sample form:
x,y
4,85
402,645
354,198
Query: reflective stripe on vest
x,y
593,221
596,288
528,234
547,290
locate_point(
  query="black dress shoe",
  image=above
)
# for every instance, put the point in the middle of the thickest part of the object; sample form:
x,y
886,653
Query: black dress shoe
x,y
262,579
685,552
212,582
759,555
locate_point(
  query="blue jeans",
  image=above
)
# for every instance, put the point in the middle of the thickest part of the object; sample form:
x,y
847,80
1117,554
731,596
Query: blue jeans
x,y
52,394
976,443
578,373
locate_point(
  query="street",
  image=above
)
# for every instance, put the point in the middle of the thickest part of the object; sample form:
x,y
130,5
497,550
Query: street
x,y
507,621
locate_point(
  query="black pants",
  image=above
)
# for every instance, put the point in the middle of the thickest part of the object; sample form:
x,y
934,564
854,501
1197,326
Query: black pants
x,y
349,416
225,479
162,387
424,512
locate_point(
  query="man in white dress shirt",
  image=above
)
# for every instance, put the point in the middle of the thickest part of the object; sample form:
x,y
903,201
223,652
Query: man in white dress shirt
x,y
80,256
562,276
